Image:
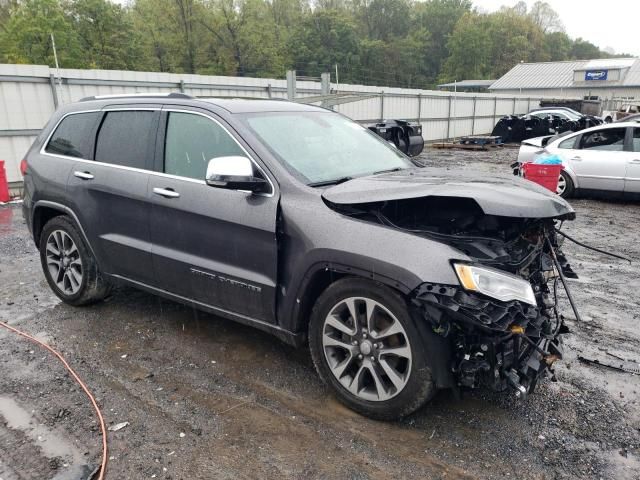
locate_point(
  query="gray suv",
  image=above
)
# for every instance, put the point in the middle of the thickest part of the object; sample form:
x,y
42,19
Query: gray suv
x,y
402,280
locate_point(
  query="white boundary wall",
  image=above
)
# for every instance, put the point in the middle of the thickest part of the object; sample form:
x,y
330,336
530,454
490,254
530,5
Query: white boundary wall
x,y
29,94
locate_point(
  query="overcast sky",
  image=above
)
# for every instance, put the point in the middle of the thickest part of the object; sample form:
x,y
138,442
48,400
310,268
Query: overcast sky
x,y
609,23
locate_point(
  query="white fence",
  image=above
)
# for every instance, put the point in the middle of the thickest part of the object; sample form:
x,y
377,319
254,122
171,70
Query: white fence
x,y
29,94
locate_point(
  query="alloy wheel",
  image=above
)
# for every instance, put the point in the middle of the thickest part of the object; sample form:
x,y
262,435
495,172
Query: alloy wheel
x,y
367,349
562,185
64,262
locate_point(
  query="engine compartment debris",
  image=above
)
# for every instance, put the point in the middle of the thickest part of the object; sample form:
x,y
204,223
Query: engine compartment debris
x,y
498,344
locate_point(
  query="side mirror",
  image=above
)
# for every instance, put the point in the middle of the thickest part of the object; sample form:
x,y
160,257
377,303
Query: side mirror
x,y
233,173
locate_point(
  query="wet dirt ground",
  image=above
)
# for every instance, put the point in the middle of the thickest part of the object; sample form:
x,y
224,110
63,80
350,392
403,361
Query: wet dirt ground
x,y
207,398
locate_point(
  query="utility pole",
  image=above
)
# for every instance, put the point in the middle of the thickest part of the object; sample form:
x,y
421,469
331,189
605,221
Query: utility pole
x,y
55,53
337,79
55,57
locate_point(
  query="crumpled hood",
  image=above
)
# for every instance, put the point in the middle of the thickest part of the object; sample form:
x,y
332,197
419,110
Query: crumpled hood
x,y
507,195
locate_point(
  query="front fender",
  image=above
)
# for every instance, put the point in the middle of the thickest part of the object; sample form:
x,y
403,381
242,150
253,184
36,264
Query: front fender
x,y
315,238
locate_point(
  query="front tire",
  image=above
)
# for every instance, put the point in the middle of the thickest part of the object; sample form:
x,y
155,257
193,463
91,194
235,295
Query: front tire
x,y
69,266
365,346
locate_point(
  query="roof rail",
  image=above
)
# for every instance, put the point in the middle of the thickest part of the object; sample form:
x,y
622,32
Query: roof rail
x,y
136,95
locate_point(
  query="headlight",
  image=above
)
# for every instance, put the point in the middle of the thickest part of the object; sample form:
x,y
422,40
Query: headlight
x,y
493,283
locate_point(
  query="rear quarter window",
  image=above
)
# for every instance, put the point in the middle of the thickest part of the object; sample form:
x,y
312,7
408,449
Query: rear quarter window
x,y
73,136
569,143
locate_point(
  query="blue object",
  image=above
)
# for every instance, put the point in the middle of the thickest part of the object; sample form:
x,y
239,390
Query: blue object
x,y
596,75
548,160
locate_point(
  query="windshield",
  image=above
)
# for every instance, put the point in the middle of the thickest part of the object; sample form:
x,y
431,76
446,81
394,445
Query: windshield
x,y
322,147
573,115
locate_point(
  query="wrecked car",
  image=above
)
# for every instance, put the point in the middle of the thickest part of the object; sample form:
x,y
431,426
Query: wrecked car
x,y
295,220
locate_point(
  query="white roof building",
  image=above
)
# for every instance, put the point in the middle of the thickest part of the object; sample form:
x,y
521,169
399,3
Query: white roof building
x,y
606,79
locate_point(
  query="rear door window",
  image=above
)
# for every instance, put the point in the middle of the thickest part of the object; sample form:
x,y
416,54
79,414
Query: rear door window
x,y
611,140
73,137
191,141
124,138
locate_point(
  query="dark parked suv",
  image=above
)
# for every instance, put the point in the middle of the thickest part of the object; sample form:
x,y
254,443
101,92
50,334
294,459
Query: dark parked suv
x,y
300,222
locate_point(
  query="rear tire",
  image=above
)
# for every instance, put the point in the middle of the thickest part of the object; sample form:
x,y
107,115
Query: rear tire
x,y
69,266
565,185
375,365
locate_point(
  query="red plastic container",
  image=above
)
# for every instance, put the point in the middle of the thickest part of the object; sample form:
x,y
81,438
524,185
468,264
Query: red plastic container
x,y
545,175
4,185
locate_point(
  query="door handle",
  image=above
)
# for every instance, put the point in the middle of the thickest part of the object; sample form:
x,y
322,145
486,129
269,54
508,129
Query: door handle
x,y
166,192
83,175
577,159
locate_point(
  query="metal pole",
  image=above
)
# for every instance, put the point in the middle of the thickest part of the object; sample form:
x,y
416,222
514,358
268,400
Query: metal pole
x,y
514,106
419,107
455,99
337,79
291,84
449,119
55,57
182,86
473,117
55,53
269,93
54,91
382,106
495,109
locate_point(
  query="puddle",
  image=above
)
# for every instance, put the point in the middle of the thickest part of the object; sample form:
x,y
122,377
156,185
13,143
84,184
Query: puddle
x,y
6,218
50,443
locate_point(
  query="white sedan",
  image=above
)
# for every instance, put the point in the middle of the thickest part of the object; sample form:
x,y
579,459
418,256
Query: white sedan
x,y
602,158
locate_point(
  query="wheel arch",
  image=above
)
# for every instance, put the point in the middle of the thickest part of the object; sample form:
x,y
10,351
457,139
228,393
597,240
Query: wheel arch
x,y
44,210
41,215
572,175
319,277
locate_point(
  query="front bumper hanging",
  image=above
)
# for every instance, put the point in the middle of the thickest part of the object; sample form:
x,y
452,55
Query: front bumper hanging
x,y
494,344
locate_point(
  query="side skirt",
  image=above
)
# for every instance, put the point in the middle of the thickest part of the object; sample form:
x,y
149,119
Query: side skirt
x,y
290,338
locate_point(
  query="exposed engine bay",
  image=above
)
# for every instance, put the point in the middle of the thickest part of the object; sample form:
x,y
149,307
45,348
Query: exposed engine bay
x,y
494,343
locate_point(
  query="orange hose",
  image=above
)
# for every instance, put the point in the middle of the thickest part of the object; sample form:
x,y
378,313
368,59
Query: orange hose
x,y
81,383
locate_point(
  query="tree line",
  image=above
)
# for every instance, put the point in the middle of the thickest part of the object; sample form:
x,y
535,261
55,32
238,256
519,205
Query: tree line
x,y
402,43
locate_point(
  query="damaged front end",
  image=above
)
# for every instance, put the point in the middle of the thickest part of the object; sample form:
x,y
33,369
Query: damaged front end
x,y
500,336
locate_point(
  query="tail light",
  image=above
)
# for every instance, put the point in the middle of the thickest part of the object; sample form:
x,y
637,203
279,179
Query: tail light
x,y
23,167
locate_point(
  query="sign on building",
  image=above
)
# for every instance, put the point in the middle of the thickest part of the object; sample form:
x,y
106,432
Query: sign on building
x,y
596,75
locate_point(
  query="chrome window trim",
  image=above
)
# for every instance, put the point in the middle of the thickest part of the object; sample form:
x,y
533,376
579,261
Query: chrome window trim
x,y
177,110
152,172
93,110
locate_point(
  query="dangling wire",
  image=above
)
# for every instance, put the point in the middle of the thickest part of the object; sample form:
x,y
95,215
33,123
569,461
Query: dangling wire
x,y
604,252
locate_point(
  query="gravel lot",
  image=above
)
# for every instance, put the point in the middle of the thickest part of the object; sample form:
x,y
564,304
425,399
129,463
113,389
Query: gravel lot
x,y
206,398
